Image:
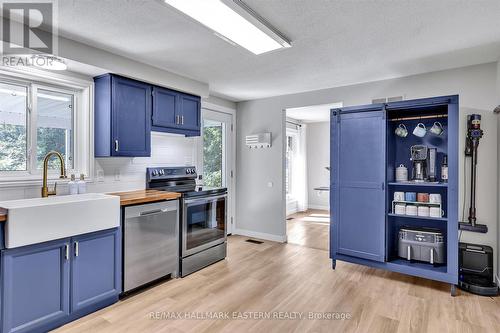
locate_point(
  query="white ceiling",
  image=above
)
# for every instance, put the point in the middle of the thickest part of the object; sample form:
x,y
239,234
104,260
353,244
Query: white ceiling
x,y
313,113
334,42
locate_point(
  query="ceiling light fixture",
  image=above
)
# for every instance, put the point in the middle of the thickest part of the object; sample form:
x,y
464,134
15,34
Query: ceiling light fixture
x,y
235,22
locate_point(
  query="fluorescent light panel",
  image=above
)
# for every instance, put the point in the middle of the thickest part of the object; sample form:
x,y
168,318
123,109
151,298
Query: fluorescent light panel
x,y
219,17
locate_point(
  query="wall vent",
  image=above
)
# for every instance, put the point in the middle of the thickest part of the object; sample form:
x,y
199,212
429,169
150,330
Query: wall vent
x,y
259,140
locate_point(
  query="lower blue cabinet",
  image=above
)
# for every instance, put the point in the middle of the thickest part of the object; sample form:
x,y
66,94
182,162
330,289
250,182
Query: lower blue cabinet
x,y
35,286
95,269
47,285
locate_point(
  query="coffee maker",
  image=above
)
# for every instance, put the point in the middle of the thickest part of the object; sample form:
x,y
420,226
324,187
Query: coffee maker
x,y
418,157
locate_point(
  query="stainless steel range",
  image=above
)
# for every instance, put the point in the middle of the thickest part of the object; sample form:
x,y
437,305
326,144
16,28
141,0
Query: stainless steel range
x,y
203,221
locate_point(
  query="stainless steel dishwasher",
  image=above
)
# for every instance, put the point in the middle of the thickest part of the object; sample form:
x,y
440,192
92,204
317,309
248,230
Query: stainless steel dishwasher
x,y
151,243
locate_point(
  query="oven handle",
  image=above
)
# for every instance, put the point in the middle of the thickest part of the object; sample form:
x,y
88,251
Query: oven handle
x,y
208,198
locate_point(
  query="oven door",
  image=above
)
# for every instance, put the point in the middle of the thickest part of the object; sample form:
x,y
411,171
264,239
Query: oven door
x,y
203,223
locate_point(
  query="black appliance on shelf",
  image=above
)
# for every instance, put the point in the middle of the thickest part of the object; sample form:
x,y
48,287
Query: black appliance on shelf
x,y
203,217
475,265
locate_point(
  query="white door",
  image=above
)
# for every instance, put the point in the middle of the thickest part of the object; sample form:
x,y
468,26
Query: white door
x,y
217,164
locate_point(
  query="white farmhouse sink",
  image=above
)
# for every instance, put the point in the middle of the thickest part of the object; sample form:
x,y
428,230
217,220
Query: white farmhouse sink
x,y
32,221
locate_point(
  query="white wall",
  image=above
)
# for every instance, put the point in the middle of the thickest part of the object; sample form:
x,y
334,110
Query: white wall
x,y
318,157
261,209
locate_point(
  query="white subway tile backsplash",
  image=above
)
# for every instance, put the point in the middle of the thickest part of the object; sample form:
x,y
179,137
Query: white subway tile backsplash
x,y
166,150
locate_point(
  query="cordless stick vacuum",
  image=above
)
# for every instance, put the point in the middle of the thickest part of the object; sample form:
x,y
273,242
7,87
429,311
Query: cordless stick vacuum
x,y
474,134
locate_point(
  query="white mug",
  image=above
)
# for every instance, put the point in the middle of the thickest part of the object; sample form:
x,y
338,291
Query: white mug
x,y
399,196
437,128
400,209
423,211
401,131
435,198
411,210
420,130
436,212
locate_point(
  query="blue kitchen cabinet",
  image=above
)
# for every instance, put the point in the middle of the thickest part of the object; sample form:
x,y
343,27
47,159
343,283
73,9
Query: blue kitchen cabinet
x,y
190,112
35,286
360,183
95,268
122,117
365,153
50,284
175,112
165,109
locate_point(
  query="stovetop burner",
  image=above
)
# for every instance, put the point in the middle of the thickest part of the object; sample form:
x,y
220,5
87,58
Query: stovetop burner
x,y
179,179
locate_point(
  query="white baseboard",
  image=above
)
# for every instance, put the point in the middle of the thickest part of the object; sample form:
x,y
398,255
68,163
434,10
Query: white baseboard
x,y
320,207
292,211
260,235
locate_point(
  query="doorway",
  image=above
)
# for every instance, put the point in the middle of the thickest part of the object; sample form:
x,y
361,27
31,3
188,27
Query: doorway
x,y
307,175
216,155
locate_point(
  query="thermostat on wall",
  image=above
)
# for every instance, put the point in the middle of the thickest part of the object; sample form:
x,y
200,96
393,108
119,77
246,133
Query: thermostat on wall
x,y
259,140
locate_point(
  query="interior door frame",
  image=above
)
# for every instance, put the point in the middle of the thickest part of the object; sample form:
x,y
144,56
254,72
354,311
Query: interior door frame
x,y
207,108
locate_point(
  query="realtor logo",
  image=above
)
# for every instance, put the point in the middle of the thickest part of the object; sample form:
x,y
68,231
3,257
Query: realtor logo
x,y
28,28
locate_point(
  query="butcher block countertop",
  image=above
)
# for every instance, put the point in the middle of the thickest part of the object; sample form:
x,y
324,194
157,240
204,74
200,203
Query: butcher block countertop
x,y
3,215
144,196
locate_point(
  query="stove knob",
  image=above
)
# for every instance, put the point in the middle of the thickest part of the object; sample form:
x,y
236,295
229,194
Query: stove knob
x,y
162,172
188,171
154,173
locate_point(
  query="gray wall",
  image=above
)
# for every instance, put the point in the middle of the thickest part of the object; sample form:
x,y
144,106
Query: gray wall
x,y
261,209
318,157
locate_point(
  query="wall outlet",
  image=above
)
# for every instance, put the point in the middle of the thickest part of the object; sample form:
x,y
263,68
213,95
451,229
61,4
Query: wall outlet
x,y
270,184
117,175
100,176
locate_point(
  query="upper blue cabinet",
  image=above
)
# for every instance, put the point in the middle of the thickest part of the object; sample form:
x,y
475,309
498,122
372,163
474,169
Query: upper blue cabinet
x,y
176,112
126,111
122,117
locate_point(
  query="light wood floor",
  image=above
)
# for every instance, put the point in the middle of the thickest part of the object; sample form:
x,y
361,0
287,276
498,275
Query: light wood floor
x,y
286,277
310,229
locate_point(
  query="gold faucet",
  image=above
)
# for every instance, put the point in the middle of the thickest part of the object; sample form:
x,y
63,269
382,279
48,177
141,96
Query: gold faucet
x,y
45,188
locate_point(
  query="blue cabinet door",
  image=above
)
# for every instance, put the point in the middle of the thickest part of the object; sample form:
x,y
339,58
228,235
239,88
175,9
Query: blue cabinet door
x,y
96,268
35,286
190,111
131,117
358,183
165,108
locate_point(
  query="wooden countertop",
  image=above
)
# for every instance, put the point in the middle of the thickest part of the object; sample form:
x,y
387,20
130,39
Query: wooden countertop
x,y
144,196
3,215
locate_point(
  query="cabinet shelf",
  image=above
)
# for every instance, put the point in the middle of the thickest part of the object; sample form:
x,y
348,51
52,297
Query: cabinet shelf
x,y
442,185
418,265
444,219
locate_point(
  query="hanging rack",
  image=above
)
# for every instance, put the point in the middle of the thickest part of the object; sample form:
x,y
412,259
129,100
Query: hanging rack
x,y
421,117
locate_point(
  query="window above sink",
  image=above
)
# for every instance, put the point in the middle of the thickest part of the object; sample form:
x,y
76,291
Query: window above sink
x,y
40,113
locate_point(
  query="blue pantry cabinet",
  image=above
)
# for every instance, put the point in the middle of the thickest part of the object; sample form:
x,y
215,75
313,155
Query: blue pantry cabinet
x,y
122,121
364,155
47,285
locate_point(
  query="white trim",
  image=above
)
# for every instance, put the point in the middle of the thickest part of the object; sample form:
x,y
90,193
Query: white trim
x,y
222,109
260,235
320,207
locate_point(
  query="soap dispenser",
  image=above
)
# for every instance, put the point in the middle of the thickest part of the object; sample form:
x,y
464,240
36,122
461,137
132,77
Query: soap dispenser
x,y
72,185
82,187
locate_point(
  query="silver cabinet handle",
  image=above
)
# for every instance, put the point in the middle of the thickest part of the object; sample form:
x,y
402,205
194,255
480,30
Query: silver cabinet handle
x,y
77,249
177,120
116,145
182,120
66,250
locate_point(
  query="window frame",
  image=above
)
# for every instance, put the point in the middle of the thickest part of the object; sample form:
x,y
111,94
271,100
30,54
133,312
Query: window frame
x,y
83,152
